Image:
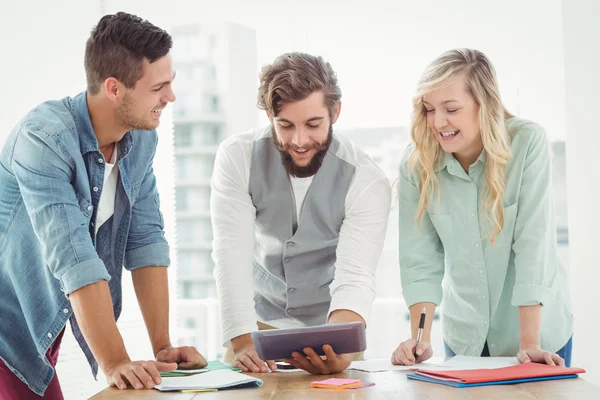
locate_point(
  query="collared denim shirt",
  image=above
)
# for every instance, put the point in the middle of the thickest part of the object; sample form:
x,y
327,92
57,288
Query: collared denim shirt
x,y
49,169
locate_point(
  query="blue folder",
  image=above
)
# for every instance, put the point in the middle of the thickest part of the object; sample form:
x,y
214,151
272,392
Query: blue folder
x,y
510,382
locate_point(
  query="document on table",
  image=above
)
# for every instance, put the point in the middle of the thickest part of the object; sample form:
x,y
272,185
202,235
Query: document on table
x,y
219,379
384,364
455,363
458,363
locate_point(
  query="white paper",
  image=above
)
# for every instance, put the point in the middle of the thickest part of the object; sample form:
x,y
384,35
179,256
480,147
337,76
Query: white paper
x,y
285,370
458,363
218,379
455,363
384,364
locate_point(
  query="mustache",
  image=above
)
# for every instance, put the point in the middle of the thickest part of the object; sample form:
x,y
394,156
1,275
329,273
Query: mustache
x,y
317,146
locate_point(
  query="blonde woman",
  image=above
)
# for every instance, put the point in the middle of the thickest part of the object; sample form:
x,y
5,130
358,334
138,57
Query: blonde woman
x,y
476,211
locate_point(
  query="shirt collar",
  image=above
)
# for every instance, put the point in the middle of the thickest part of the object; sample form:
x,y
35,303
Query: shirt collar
x,y
447,159
87,139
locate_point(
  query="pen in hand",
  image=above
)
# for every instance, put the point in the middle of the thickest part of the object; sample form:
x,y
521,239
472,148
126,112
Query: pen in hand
x,y
420,331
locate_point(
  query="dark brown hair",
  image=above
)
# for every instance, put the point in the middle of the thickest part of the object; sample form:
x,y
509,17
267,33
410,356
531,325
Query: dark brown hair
x,y
117,47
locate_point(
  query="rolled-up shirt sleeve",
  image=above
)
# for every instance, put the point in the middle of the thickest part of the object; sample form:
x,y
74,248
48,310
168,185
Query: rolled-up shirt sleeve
x,y
421,253
59,218
534,240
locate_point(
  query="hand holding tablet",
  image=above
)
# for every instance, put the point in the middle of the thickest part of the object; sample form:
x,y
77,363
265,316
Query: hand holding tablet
x,y
302,347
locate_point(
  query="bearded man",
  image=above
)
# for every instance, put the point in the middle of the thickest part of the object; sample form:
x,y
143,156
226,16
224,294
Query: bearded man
x,y
299,218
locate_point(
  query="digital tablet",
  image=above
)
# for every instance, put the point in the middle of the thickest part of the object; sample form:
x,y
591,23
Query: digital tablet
x,y
276,344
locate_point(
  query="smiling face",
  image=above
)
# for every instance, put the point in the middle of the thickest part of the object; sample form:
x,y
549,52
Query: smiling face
x,y
141,107
302,131
452,115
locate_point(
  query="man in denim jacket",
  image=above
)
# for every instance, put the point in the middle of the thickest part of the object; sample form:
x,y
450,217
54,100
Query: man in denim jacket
x,y
78,200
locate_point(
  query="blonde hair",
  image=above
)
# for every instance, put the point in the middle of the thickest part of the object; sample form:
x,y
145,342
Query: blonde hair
x,y
480,80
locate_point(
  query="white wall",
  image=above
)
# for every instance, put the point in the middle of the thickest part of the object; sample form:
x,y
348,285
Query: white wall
x,y
42,46
380,47
581,21
241,82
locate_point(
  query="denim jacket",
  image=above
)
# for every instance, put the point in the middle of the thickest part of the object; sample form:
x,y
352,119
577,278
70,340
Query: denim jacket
x,y
51,177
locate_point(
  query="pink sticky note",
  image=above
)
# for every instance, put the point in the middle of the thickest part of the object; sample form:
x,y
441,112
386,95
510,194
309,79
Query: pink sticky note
x,y
336,382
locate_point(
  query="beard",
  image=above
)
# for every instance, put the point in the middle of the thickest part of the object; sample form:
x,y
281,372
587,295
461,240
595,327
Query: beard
x,y
314,164
127,118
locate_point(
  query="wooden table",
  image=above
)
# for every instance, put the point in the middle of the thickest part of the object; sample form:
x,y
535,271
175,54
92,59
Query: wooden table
x,y
388,385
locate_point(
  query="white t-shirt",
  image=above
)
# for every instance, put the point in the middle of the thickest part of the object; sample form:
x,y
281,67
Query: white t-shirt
x,y
106,205
300,187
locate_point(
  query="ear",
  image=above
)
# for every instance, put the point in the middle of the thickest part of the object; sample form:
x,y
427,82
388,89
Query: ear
x,y
336,112
113,89
270,116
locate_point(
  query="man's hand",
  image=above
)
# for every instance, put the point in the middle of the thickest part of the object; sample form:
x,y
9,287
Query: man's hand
x,y
246,357
186,357
138,374
311,362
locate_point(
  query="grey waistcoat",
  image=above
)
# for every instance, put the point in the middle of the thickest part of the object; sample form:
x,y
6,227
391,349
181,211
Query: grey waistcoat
x,y
294,261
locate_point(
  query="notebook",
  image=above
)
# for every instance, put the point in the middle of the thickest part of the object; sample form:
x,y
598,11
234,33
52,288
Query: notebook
x,y
527,372
384,364
212,366
219,379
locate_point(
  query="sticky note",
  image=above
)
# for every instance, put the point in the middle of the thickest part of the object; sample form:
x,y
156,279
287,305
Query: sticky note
x,y
336,383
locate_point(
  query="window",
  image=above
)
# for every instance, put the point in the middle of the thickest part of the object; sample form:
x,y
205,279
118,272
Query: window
x,y
179,107
188,232
181,197
191,198
212,103
198,290
190,323
194,231
190,290
206,134
214,134
183,135
199,74
211,73
204,165
194,264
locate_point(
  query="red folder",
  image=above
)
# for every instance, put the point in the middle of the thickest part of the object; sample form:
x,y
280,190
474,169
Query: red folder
x,y
525,371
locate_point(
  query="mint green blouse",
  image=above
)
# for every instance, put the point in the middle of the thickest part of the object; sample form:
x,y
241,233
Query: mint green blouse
x,y
483,285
